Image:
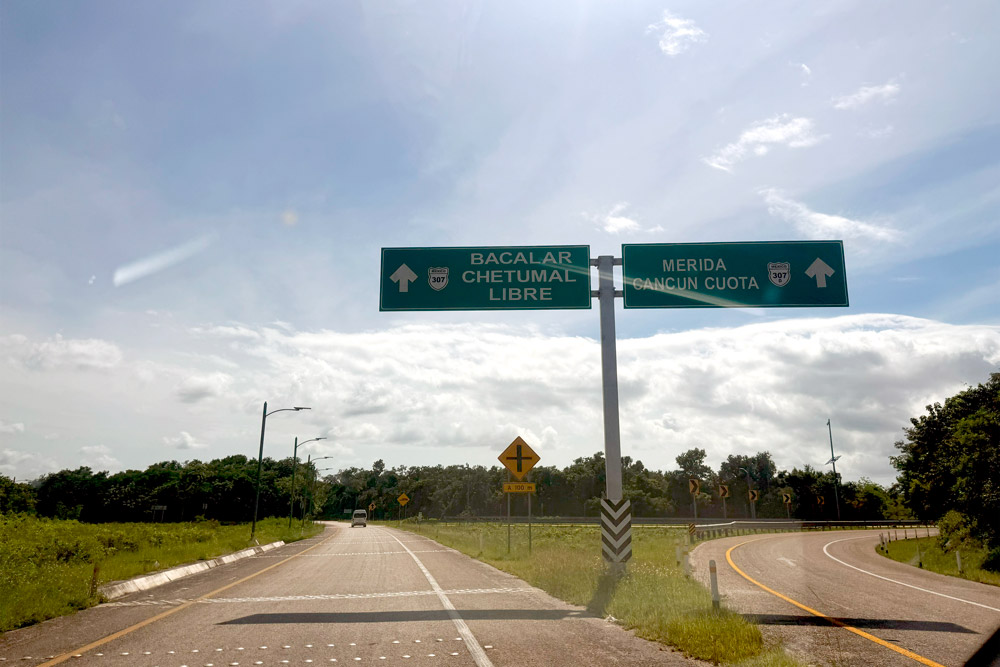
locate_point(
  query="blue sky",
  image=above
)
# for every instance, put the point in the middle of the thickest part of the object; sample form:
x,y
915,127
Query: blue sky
x,y
193,197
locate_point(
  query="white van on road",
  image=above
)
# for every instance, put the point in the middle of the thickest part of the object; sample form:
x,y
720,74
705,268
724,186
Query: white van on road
x,y
360,518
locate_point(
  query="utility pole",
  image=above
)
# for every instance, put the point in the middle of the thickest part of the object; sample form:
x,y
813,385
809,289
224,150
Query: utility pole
x,y
833,462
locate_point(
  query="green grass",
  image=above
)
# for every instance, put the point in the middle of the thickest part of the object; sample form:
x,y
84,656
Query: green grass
x,y
937,560
654,598
47,566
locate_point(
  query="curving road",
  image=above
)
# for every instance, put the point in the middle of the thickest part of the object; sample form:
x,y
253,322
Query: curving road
x,y
350,596
832,600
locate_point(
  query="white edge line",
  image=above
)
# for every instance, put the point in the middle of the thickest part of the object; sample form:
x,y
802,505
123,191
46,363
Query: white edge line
x,y
478,654
879,576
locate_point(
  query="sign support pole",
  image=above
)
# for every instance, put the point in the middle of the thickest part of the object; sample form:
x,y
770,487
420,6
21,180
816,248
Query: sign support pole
x,y
609,376
724,517
508,517
616,512
529,523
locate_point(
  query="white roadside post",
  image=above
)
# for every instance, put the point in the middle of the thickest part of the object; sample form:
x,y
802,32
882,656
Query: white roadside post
x,y
958,560
616,512
713,575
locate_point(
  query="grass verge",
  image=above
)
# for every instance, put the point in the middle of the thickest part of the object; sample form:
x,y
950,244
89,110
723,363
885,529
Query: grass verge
x,y
654,598
47,566
935,559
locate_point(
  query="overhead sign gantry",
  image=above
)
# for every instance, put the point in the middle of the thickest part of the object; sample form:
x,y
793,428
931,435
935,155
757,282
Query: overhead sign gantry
x,y
785,274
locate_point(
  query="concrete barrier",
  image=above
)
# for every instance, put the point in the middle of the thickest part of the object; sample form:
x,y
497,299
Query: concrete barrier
x,y
118,589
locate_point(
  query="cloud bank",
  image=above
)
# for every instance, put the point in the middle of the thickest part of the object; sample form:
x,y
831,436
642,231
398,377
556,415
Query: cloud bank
x,y
445,393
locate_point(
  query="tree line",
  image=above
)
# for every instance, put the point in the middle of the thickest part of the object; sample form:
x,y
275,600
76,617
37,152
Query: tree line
x,y
225,489
949,464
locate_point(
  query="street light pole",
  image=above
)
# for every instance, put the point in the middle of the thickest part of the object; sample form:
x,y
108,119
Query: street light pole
x,y
260,462
291,500
833,462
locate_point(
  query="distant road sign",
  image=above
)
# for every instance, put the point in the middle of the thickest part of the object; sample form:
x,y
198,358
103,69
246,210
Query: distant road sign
x,y
820,500
518,458
782,274
159,508
754,495
371,507
485,278
518,487
786,498
694,486
691,529
403,499
723,491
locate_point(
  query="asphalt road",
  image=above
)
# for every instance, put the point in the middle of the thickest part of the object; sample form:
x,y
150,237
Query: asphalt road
x,y
350,596
910,616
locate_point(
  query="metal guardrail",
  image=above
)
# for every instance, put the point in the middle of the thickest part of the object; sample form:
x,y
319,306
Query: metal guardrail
x,y
700,524
724,529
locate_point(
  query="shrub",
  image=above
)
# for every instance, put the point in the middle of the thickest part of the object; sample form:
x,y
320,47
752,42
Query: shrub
x,y
992,560
955,531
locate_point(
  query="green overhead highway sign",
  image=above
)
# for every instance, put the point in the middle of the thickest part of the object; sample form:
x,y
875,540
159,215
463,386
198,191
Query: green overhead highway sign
x,y
779,274
486,278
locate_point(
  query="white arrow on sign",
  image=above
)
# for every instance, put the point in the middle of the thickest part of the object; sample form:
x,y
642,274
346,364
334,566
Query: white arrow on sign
x,y
404,275
819,270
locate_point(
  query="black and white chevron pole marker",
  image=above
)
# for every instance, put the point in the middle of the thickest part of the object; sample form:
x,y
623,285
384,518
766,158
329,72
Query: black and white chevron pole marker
x,y
616,530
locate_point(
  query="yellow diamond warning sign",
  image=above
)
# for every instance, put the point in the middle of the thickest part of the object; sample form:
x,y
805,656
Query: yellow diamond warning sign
x,y
403,499
518,458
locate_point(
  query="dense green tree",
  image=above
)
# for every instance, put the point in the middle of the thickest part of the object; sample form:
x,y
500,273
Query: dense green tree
x,y
16,497
950,460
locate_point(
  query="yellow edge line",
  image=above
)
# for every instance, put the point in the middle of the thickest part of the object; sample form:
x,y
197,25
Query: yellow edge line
x,y
174,610
861,633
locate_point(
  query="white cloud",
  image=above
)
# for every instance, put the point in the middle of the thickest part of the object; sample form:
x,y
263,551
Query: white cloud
x,y
806,73
6,427
91,280
59,352
759,138
199,387
99,457
183,440
862,96
290,217
24,465
816,225
616,222
677,34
